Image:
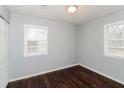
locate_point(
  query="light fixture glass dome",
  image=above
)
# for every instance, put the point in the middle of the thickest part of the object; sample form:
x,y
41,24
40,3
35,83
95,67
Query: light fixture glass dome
x,y
72,9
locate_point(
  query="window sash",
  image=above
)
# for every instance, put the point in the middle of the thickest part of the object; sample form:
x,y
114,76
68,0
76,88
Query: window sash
x,y
40,45
114,39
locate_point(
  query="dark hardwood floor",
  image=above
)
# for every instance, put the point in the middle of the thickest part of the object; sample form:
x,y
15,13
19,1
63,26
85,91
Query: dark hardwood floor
x,y
73,77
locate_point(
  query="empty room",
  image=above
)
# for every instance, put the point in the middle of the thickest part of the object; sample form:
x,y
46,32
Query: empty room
x,y
61,46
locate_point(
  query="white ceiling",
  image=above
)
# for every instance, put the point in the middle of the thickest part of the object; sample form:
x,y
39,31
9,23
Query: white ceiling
x,y
84,14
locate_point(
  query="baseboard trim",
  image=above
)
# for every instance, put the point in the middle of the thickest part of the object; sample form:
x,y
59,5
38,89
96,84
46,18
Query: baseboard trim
x,y
6,85
121,82
28,76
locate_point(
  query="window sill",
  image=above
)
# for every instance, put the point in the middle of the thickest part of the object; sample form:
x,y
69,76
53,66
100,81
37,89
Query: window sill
x,y
113,56
35,54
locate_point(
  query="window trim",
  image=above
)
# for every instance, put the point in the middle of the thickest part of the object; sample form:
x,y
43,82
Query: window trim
x,y
26,54
106,53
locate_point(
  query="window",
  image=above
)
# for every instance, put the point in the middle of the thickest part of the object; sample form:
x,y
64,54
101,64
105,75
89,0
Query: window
x,y
114,39
35,40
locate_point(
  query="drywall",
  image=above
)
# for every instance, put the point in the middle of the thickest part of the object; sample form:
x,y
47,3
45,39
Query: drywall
x,y
91,47
62,47
64,43
4,13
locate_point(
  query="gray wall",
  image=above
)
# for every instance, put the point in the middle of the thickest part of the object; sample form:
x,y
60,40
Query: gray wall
x,y
62,47
4,13
91,47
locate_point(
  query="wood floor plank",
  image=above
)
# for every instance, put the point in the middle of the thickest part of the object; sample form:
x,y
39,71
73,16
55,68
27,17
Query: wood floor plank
x,y
73,77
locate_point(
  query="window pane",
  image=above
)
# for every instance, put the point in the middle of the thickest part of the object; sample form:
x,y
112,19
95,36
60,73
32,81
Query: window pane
x,y
36,39
114,39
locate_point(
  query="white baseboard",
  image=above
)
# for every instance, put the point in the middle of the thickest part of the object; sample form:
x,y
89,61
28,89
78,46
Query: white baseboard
x,y
28,76
121,82
24,77
6,85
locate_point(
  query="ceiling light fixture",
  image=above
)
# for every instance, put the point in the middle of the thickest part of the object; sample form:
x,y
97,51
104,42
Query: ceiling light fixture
x,y
72,9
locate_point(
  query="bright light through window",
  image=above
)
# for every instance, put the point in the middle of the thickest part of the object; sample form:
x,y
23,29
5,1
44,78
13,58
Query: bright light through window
x,y
114,39
35,40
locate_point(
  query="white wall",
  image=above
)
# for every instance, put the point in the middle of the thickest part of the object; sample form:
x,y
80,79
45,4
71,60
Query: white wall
x,y
91,47
4,13
62,47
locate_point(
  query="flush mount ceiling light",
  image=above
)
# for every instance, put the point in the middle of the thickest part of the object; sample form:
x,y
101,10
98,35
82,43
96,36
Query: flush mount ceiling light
x,y
72,9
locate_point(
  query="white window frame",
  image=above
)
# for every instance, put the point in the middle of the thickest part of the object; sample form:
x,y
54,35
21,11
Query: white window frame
x,y
25,41
106,53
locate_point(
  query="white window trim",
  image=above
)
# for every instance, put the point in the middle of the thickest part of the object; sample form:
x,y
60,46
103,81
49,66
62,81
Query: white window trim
x,y
106,53
25,41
